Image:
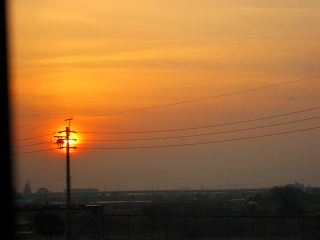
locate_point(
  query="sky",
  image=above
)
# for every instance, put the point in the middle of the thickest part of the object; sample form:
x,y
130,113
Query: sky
x,y
165,94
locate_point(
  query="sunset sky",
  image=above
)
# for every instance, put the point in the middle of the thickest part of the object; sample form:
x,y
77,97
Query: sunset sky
x,y
165,94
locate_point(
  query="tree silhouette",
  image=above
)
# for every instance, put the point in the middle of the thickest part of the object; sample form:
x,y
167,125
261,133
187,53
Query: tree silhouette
x,y
288,199
48,224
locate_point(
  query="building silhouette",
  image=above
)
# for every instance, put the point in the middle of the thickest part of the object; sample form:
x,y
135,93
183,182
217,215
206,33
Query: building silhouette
x,y
26,189
43,191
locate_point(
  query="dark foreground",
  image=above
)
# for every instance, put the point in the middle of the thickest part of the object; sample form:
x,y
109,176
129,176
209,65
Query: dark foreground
x,y
196,216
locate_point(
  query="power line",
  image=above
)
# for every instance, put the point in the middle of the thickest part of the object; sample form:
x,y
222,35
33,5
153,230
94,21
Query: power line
x,y
203,99
187,101
184,136
202,143
30,138
32,144
24,139
36,151
208,126
177,129
185,144
202,134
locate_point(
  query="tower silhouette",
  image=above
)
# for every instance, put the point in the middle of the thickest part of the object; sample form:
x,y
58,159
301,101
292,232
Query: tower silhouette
x,y
27,189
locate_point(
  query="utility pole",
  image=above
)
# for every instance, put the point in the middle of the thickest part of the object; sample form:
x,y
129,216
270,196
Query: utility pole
x,y
64,142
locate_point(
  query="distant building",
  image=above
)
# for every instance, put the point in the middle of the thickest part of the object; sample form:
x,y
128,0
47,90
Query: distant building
x,y
26,189
296,185
83,190
43,191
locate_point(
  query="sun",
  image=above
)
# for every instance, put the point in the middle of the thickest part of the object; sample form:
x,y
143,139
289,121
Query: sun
x,y
73,140
62,140
68,135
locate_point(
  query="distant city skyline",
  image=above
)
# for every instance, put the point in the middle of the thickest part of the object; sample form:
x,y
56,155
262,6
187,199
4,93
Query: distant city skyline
x,y
27,188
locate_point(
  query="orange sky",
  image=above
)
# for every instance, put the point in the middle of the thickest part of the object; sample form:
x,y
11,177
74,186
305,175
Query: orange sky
x,y
97,62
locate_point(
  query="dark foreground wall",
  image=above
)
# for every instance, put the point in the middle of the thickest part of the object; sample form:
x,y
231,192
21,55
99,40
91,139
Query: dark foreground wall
x,y
209,227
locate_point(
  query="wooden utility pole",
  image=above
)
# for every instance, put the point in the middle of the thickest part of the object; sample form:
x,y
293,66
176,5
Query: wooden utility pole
x,y
64,142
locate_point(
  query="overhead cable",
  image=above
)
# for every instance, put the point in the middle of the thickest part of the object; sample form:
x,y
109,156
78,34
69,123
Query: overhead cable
x,y
202,143
203,99
207,126
202,134
190,101
184,144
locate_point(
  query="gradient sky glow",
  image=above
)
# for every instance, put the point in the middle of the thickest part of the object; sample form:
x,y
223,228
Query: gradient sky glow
x,y
96,62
